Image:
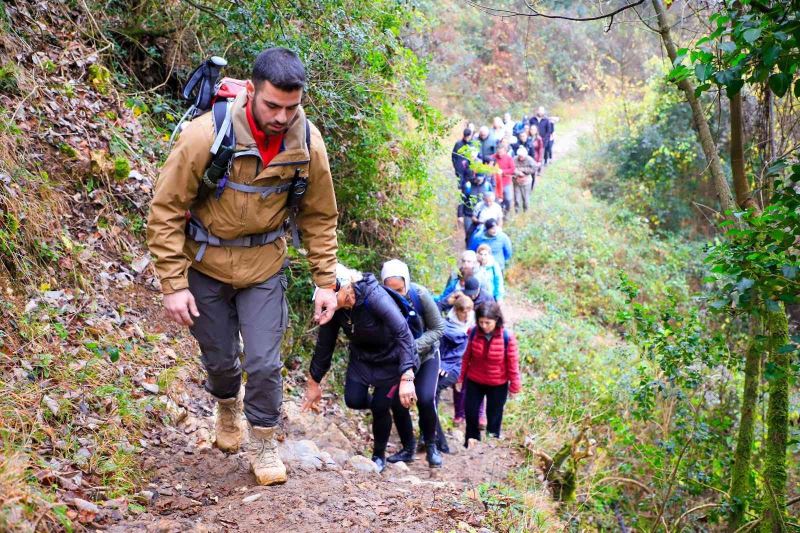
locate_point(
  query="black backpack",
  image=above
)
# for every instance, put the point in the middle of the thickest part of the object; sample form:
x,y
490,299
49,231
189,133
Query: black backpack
x,y
209,93
408,309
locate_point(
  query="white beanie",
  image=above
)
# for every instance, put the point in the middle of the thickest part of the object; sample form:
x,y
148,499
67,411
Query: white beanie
x,y
395,268
522,151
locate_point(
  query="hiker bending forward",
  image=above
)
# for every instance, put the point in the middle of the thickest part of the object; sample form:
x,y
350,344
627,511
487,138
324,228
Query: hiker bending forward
x,y
395,276
383,355
222,272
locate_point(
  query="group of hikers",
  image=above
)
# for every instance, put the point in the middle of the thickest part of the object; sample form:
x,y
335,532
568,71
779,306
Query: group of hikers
x,y
245,173
500,165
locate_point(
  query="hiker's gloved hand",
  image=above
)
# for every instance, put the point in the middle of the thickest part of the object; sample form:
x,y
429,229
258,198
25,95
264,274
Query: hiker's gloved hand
x,y
180,307
324,305
313,395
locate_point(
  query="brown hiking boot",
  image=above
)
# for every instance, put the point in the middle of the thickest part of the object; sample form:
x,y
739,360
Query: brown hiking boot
x,y
229,424
264,460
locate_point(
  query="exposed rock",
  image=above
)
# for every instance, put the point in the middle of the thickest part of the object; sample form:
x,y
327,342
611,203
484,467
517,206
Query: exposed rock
x,y
363,464
398,467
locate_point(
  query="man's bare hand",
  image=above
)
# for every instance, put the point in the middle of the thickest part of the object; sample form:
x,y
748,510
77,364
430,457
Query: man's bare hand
x,y
313,396
180,307
324,305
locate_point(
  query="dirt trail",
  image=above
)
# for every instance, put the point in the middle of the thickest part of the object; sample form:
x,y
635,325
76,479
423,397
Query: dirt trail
x,y
198,488
195,487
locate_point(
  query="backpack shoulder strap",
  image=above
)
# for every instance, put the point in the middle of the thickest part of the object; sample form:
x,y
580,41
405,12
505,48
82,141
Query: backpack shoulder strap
x,y
223,125
506,340
473,332
415,299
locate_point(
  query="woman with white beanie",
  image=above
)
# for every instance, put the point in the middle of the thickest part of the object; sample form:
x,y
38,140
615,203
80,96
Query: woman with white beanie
x,y
395,276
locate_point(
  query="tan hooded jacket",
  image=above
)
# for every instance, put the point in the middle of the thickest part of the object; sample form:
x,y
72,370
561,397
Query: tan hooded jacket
x,y
236,214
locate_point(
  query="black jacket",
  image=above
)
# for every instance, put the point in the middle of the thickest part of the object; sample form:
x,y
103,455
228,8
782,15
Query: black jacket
x,y
460,163
378,333
544,125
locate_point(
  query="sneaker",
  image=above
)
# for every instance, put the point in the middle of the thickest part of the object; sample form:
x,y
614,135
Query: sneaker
x,y
380,462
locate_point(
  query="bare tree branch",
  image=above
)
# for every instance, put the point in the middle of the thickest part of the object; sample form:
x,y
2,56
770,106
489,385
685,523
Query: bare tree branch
x,y
499,12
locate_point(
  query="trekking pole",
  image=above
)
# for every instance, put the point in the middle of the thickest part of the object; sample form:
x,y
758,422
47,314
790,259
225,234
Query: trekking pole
x,y
203,79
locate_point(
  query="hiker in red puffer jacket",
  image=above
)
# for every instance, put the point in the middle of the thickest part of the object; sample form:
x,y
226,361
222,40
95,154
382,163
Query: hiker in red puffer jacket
x,y
489,369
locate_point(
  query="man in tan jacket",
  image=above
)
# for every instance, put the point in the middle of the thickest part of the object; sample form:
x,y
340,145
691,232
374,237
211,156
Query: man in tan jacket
x,y
221,256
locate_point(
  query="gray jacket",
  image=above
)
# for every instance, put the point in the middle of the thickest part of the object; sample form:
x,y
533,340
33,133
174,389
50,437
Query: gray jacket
x,y
428,343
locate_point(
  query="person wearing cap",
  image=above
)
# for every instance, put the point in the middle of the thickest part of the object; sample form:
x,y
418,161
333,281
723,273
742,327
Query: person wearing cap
x,y
488,209
382,354
478,295
523,179
467,263
461,162
395,276
496,238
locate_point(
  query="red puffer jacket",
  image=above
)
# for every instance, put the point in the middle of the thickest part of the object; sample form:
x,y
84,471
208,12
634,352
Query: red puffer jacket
x,y
486,363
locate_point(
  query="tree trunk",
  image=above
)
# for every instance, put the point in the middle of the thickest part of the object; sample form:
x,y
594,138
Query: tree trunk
x,y
740,184
780,370
740,475
701,124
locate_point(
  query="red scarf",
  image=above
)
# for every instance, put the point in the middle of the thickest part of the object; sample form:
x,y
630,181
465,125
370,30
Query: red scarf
x,y
268,145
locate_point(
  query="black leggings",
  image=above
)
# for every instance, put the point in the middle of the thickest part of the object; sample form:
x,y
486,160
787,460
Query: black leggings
x,y
496,396
357,396
425,386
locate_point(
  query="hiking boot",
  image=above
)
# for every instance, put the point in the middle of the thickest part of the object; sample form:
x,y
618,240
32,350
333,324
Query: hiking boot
x,y
229,425
265,462
405,455
433,456
380,462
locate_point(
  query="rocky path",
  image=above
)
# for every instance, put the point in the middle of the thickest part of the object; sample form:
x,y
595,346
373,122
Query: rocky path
x,y
332,484
331,487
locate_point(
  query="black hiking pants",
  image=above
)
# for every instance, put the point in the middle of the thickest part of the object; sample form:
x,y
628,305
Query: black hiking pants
x,y
260,314
425,386
496,396
445,382
357,396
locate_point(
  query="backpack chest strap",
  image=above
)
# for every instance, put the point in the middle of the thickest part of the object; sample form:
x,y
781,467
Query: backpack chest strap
x,y
263,191
196,231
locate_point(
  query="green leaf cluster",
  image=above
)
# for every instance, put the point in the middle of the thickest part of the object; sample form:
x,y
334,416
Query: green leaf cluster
x,y
751,42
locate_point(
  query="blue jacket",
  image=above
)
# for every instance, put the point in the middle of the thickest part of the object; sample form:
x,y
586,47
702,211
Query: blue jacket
x,y
453,344
491,278
451,285
500,245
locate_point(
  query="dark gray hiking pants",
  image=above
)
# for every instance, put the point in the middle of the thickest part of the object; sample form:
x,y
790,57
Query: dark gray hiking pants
x,y
260,313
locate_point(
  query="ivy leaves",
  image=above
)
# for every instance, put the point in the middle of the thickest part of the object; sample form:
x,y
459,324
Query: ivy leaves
x,y
750,44
757,267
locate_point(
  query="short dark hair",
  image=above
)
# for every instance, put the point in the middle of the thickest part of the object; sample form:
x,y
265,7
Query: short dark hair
x,y
490,310
467,132
281,67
